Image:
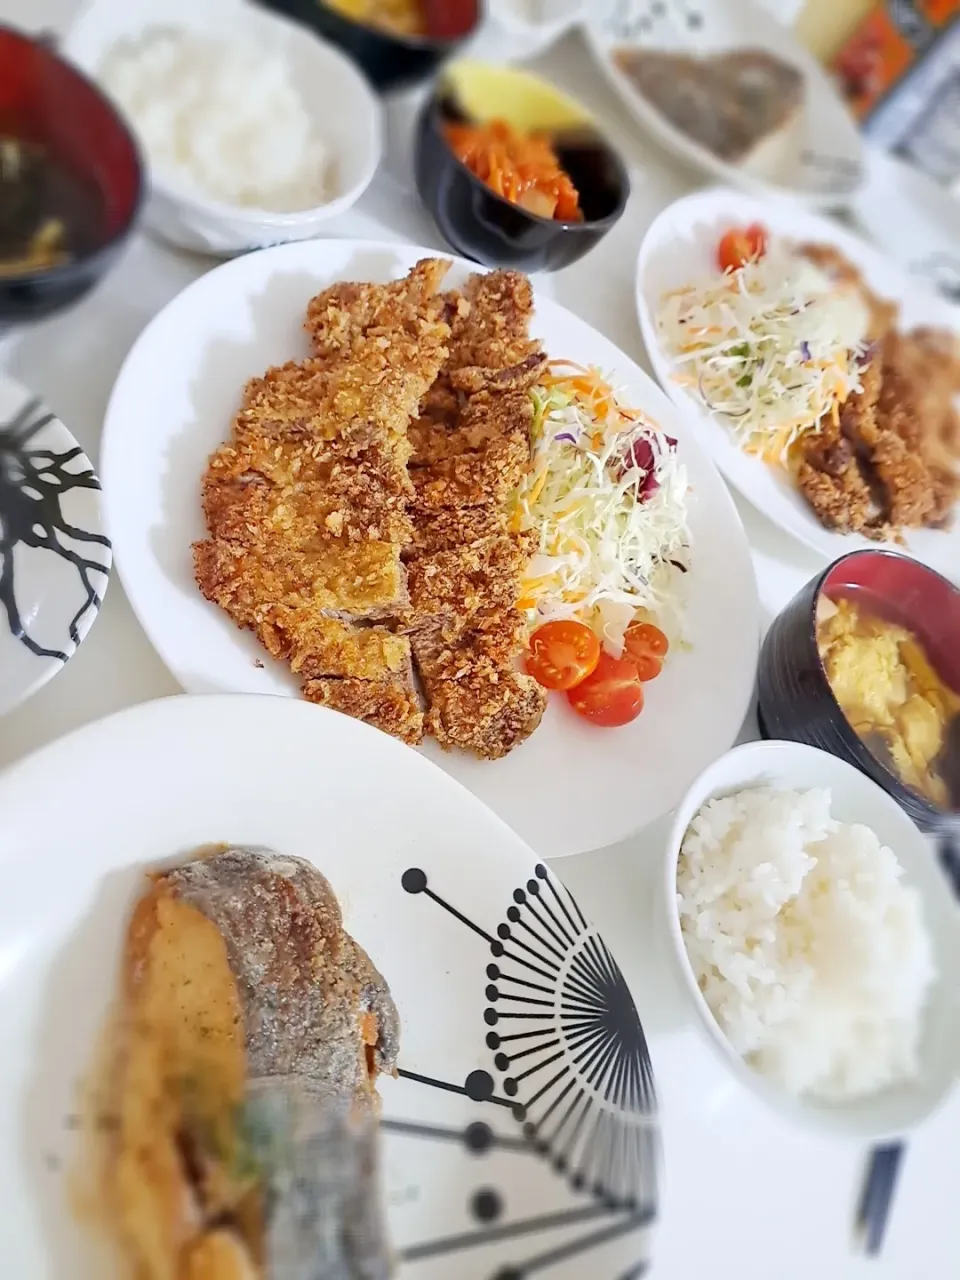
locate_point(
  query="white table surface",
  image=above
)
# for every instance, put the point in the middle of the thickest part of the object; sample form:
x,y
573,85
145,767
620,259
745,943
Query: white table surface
x,y
745,1196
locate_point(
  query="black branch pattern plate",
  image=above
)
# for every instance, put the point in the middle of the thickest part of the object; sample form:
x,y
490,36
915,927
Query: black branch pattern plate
x,y
54,555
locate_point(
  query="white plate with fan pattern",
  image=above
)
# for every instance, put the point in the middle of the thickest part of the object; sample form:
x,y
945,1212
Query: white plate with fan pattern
x,y
493,1165
571,786
816,157
54,556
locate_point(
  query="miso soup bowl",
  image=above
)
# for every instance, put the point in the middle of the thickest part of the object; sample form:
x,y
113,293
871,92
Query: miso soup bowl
x,y
794,694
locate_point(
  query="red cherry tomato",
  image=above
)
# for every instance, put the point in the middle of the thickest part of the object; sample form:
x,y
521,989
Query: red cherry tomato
x,y
741,245
562,654
646,647
612,695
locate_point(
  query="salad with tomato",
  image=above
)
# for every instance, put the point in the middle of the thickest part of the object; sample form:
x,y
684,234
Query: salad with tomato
x,y
606,501
772,344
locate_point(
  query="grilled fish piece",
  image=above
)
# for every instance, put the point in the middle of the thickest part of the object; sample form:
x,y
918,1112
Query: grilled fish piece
x,y
728,102
254,1029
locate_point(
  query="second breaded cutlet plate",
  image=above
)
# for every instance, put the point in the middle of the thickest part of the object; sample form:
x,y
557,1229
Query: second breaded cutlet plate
x,y
571,786
680,248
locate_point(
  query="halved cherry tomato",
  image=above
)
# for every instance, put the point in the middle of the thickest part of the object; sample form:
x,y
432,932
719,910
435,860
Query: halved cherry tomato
x,y
612,695
740,245
646,647
562,653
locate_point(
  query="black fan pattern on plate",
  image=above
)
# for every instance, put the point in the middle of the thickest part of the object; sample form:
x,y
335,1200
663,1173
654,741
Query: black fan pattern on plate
x,y
576,1079
33,482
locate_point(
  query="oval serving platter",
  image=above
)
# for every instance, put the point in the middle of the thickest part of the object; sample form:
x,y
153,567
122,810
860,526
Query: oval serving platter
x,y
499,1159
570,786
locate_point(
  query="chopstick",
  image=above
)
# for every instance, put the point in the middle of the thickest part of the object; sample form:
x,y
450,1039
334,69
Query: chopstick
x,y
873,1210
883,1166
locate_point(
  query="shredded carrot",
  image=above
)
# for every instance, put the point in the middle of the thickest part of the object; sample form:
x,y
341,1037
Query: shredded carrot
x,y
522,168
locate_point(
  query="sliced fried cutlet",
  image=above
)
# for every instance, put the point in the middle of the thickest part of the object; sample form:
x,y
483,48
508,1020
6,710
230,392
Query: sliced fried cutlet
x,y
489,709
472,479
306,506
453,527
385,704
295,490
513,377
465,580
338,578
448,649
359,404
494,332
317,647
401,325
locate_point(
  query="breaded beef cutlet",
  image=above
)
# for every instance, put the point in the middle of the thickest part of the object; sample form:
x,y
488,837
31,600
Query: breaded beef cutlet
x,y
471,449
306,505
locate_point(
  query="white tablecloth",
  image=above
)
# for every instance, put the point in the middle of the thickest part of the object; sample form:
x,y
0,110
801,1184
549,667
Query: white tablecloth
x,y
745,1196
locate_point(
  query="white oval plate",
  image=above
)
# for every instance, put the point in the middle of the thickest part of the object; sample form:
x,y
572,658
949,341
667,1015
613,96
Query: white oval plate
x,y
680,246
467,1194
571,786
54,556
815,158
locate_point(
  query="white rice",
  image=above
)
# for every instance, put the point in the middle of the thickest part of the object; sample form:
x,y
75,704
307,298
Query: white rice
x,y
812,955
222,117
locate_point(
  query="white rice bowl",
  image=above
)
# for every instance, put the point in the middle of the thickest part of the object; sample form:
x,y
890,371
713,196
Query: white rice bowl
x,y
812,955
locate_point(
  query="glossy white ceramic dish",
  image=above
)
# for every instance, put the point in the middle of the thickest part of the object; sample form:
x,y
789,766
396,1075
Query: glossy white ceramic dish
x,y
344,108
855,798
428,881
571,786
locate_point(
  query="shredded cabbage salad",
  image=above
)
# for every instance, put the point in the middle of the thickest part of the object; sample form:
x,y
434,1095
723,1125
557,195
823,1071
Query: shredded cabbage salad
x,y
772,346
606,498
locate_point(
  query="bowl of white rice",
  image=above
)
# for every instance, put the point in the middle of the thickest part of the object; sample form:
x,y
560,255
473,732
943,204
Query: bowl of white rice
x,y
815,939
255,131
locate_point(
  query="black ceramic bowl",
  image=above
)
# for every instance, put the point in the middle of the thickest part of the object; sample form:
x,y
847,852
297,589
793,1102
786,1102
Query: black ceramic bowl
x,y
47,103
795,698
390,61
475,221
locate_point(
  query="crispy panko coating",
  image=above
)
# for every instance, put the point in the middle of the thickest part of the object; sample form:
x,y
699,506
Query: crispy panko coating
x,y
471,448
370,484
489,709
453,527
402,325
448,650
890,463
464,580
387,705
307,504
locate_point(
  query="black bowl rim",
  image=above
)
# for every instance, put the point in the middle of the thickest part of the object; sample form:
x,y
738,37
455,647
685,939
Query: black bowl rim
x,y
412,42
934,811
65,270
432,111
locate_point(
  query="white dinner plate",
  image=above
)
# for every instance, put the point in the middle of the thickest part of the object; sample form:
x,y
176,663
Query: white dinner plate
x,y
680,246
816,157
571,786
54,556
453,909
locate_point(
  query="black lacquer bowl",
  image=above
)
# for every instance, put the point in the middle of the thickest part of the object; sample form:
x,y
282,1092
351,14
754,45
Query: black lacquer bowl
x,y
481,225
795,698
390,61
46,102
